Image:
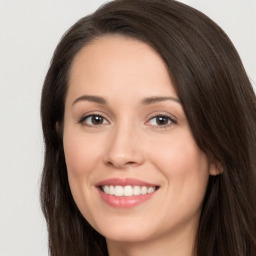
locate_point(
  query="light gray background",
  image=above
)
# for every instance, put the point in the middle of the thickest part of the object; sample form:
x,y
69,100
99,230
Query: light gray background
x,y
29,32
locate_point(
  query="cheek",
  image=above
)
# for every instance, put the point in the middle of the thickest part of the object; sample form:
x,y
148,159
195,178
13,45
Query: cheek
x,y
180,153
81,152
82,157
185,167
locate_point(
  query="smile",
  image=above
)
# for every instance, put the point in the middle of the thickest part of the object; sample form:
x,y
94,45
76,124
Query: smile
x,y
125,192
128,190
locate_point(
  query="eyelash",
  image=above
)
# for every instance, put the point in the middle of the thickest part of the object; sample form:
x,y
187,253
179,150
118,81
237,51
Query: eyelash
x,y
170,120
83,120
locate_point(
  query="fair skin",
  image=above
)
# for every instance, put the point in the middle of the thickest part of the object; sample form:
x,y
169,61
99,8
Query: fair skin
x,y
133,127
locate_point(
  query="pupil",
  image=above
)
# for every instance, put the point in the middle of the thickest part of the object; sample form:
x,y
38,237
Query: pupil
x,y
161,120
97,120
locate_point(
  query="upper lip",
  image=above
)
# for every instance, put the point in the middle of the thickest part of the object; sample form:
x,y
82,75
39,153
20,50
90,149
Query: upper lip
x,y
125,182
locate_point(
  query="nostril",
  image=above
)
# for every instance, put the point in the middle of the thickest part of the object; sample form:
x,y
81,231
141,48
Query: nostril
x,y
123,160
130,163
121,164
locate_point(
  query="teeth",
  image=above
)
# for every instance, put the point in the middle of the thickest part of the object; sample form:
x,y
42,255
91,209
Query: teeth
x,y
144,190
106,189
119,191
136,191
111,190
150,190
127,190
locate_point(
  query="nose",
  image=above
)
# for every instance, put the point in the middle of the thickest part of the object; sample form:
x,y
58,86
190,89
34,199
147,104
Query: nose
x,y
124,149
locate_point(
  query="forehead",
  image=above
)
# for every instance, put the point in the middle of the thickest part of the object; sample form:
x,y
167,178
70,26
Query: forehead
x,y
116,64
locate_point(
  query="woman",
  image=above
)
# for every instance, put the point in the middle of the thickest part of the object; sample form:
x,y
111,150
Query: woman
x,y
149,122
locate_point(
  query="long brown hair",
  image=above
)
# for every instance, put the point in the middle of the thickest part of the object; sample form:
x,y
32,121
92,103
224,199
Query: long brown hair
x,y
219,103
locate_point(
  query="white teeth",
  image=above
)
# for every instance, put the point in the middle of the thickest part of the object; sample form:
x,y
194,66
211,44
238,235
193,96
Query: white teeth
x,y
111,190
144,190
150,190
127,190
119,191
106,189
136,190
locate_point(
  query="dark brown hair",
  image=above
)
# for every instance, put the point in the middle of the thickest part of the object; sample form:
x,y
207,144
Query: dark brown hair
x,y
219,103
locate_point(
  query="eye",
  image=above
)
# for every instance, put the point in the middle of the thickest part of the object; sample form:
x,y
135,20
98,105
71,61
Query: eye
x,y
93,120
161,120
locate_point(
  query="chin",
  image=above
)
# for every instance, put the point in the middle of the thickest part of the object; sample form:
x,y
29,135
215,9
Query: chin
x,y
126,236
127,231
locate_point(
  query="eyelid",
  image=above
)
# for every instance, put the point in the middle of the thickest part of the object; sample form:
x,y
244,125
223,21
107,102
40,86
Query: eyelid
x,y
172,118
93,113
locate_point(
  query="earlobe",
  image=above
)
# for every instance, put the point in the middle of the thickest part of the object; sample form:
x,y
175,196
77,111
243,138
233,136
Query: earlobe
x,y
216,169
57,127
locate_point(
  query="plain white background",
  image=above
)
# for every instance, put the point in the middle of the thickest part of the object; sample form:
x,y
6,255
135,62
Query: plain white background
x,y
29,32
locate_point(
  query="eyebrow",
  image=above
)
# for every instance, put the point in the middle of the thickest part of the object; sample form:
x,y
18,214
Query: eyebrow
x,y
145,101
91,98
152,100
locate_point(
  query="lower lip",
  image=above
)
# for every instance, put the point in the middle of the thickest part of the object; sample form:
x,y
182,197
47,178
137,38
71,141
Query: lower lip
x,y
125,201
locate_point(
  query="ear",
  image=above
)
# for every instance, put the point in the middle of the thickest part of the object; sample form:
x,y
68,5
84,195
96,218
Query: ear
x,y
57,127
216,169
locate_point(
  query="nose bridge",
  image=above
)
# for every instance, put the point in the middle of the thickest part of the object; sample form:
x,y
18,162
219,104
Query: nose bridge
x,y
123,149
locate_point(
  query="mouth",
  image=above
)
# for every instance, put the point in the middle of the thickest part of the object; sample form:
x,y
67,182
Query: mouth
x,y
127,190
126,193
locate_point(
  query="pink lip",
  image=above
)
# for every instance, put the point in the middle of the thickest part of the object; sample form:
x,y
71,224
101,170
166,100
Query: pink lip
x,y
124,201
124,182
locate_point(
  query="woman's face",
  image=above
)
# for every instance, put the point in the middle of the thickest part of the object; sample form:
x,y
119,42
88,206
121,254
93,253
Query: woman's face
x,y
134,169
